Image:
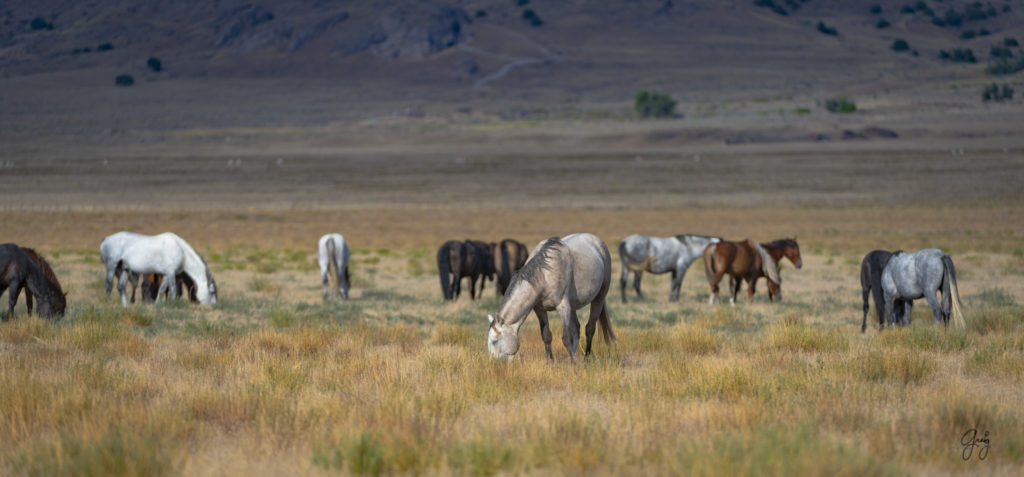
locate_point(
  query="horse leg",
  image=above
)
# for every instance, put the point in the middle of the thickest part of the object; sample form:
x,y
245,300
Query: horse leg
x,y
12,298
677,281
936,307
866,292
122,281
472,287
637,276
595,314
327,283
570,328
734,286
622,282
28,301
133,278
545,330
111,272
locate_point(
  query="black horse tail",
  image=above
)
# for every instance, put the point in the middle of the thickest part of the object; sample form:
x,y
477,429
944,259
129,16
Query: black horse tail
x,y
505,274
606,325
949,285
443,257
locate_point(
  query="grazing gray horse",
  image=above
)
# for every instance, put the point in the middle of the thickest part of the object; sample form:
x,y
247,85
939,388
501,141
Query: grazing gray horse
x,y
910,276
640,253
563,275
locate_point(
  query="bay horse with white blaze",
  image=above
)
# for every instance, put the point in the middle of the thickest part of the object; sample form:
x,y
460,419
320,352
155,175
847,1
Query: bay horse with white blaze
x,y
564,275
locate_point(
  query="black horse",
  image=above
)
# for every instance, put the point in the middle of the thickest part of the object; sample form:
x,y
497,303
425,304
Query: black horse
x,y
871,284
509,258
17,271
455,260
59,300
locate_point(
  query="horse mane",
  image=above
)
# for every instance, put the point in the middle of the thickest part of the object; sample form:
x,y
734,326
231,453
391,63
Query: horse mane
x,y
768,265
782,242
539,262
48,273
683,237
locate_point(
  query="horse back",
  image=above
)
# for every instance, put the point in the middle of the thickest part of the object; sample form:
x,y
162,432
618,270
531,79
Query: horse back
x,y
591,267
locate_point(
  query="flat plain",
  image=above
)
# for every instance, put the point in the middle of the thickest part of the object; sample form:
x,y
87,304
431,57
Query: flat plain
x,y
251,156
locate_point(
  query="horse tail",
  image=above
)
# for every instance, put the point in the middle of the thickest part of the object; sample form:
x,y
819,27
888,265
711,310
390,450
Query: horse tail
x,y
443,270
332,262
709,261
505,273
768,265
954,298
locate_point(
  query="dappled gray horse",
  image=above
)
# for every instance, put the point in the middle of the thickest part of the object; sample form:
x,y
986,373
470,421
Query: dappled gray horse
x,y
909,276
640,253
563,275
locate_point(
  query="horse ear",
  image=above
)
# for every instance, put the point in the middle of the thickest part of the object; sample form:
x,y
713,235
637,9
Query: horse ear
x,y
490,318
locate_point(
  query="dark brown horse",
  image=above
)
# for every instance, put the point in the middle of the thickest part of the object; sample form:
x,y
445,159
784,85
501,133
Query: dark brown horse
x,y
151,285
59,301
777,249
746,260
18,270
509,257
871,269
456,260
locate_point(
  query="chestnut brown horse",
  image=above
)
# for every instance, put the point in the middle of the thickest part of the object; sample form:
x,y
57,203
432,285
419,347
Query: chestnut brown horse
x,y
746,260
59,302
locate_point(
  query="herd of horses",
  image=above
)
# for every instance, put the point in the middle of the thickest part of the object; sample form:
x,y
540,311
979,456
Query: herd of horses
x,y
560,274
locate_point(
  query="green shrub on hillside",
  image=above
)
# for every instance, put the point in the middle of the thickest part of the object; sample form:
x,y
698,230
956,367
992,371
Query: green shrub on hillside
x,y
39,23
993,92
882,23
155,64
1005,66
959,55
840,105
124,80
532,18
654,104
900,44
822,27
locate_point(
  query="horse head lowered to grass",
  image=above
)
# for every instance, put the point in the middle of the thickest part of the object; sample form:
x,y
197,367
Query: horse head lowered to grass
x,y
562,275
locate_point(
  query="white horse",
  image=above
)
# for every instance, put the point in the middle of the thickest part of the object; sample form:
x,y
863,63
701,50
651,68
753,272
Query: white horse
x,y
333,252
166,254
563,275
111,251
640,253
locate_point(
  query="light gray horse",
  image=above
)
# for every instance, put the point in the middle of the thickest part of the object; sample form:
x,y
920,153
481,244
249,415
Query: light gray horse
x,y
640,253
563,275
332,252
909,276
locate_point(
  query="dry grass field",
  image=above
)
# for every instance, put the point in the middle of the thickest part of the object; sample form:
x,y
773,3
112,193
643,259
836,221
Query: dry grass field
x,y
273,381
251,146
